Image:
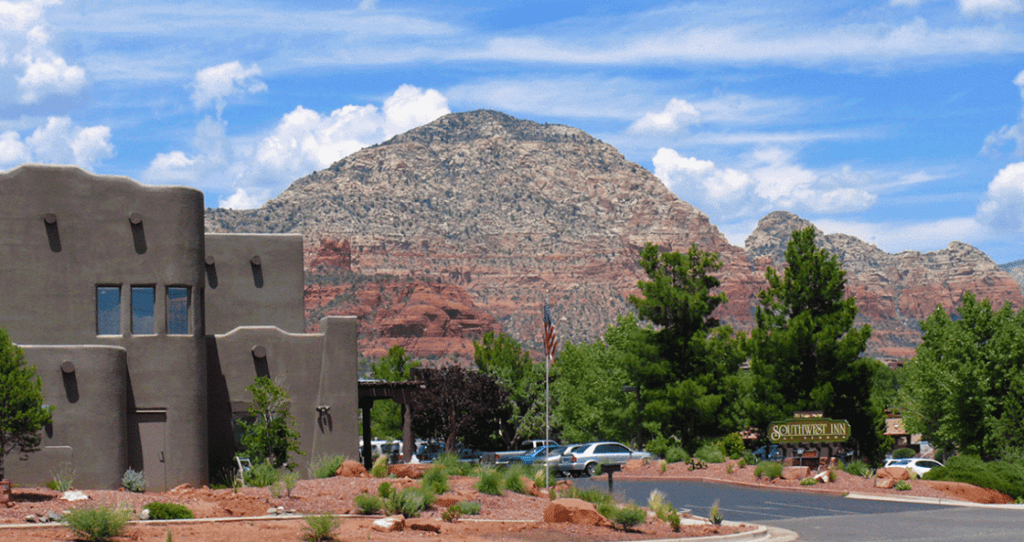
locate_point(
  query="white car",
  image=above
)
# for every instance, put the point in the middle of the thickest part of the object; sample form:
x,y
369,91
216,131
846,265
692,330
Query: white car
x,y
587,458
917,465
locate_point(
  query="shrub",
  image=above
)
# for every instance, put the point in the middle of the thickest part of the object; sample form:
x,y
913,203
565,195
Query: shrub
x,y
513,482
673,520
262,474
384,490
97,524
710,453
320,527
269,433
902,485
749,458
168,510
1001,476
715,514
732,445
409,502
134,480
380,467
660,445
607,509
63,479
290,480
594,496
857,468
676,454
451,514
809,481
435,480
490,482
664,466
728,468
369,504
325,466
657,503
769,469
467,508
539,477
455,466
629,516
903,453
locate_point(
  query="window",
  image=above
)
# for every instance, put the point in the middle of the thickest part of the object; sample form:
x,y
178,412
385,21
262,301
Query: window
x,y
177,310
108,310
143,300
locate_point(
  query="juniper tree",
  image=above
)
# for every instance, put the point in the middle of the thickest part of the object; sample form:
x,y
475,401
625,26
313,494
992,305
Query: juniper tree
x,y
22,413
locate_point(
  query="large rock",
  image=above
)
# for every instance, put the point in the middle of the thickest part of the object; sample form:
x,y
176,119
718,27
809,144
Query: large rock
x,y
389,524
575,511
885,483
423,524
796,473
445,500
408,470
352,469
893,473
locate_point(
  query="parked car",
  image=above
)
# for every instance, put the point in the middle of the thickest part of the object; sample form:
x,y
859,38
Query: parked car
x,y
390,448
917,465
549,454
586,458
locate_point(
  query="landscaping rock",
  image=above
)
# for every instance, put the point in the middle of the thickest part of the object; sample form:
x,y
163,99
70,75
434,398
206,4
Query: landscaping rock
x,y
822,477
389,524
530,488
408,470
893,473
447,499
633,464
885,483
575,511
423,524
352,469
144,514
796,473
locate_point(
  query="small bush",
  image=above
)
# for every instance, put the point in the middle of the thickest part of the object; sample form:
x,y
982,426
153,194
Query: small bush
x,y
168,510
435,480
903,453
676,454
261,475
661,507
732,445
629,516
552,477
902,485
514,483
664,466
455,466
715,514
490,482
728,468
369,504
710,453
607,509
467,508
742,462
660,445
134,480
97,524
857,468
320,527
1001,476
289,480
768,469
451,514
809,481
384,490
749,458
594,496
674,521
325,466
63,479
409,502
695,463
380,467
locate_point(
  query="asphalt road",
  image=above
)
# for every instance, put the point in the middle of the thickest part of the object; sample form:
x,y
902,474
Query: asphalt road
x,y
819,518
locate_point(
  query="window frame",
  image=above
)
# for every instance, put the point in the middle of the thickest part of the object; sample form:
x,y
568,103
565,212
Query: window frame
x,y
135,318
168,306
117,312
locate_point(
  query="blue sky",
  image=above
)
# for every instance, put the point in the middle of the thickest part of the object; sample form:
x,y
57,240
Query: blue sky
x,y
898,121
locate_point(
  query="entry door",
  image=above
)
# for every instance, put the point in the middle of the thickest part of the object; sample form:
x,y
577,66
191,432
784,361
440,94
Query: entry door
x,y
153,437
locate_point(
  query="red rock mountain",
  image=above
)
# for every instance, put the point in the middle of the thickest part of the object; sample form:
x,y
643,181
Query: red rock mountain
x,y
468,223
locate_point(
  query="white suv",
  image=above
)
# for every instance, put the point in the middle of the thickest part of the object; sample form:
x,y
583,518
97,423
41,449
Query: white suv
x,y
917,465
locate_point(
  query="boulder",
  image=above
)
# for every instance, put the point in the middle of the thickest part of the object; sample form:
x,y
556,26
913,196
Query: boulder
x,y
575,511
423,524
352,469
822,477
389,524
633,464
796,473
893,473
530,487
413,471
447,499
885,483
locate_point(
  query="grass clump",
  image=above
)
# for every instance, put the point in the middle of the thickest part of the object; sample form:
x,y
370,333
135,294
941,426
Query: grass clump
x,y
768,469
320,527
435,480
409,501
369,504
454,465
628,516
384,490
97,524
168,510
715,514
490,482
857,468
903,485
325,466
594,496
809,481
467,508
63,479
661,507
134,480
261,475
380,467
451,514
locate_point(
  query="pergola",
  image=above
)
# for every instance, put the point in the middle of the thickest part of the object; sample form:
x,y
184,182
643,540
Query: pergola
x,y
399,392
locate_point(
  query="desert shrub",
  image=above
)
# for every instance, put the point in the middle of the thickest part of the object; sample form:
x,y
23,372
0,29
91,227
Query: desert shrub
x,y
902,485
513,482
594,496
324,466
1001,476
98,523
369,504
262,474
661,507
607,509
629,516
857,468
320,527
380,467
660,445
409,502
749,458
467,508
539,477
710,453
168,510
732,445
451,514
664,466
435,480
490,482
809,481
455,466
903,453
384,490
768,469
715,514
290,480
676,454
63,479
134,480
674,521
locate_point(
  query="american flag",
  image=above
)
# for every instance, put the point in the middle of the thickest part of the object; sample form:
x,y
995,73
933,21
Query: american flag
x,y
550,337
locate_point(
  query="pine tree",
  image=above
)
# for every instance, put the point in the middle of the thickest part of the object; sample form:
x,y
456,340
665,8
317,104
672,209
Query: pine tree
x,y
22,413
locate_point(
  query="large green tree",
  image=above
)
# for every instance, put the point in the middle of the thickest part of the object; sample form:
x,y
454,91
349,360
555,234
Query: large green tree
x,y
806,350
964,392
395,366
22,413
690,381
458,405
269,433
503,358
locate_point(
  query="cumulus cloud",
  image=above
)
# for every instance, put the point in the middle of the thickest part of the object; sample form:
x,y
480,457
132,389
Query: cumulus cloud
x,y
254,168
1003,206
990,7
217,83
770,179
60,141
677,115
39,70
1014,133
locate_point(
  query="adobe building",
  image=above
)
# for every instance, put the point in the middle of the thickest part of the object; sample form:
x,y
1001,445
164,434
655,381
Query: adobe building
x,y
146,331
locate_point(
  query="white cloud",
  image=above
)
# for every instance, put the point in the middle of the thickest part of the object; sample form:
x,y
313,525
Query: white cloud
x,y
217,83
1003,206
677,115
24,45
254,168
989,7
60,141
894,237
1014,132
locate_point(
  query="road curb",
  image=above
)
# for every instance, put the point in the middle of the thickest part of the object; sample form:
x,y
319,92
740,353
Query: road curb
x,y
932,500
707,480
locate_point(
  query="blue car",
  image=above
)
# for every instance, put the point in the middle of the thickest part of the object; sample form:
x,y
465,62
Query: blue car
x,y
537,455
768,453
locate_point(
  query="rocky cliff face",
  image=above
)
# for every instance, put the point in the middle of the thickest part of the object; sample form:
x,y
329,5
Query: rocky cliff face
x,y
467,224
